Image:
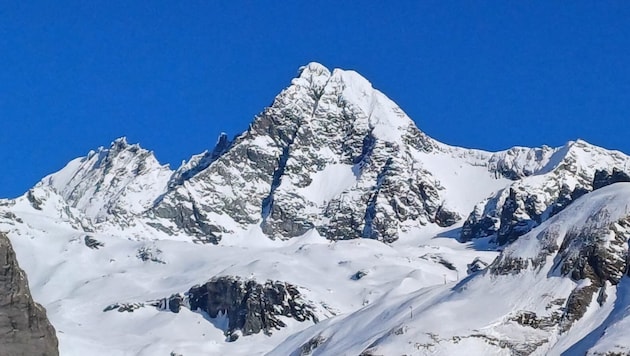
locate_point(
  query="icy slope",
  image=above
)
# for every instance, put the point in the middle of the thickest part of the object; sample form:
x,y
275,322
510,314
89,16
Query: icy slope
x,y
557,289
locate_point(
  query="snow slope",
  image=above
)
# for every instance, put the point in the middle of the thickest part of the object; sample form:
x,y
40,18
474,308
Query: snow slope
x,y
508,309
75,282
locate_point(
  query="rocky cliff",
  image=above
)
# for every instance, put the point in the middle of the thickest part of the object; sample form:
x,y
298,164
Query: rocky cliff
x,y
24,328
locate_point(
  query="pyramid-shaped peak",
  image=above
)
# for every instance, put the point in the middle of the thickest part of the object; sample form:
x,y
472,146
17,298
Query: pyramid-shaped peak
x,y
319,93
313,76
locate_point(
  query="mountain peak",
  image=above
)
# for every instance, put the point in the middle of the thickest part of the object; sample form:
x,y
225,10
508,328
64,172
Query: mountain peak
x,y
121,141
277,171
313,68
115,180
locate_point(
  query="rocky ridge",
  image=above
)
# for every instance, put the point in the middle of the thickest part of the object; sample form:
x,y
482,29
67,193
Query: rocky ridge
x,y
329,124
109,184
547,182
249,306
389,175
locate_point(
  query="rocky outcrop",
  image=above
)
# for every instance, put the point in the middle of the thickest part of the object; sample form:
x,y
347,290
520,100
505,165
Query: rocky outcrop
x,y
24,328
199,162
603,178
476,265
593,253
598,254
249,306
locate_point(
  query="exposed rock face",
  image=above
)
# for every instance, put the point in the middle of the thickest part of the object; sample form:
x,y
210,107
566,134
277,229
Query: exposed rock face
x,y
24,328
199,162
591,254
250,307
476,265
603,178
92,243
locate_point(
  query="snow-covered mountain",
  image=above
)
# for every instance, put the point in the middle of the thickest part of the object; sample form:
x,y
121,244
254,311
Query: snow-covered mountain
x,y
562,288
332,225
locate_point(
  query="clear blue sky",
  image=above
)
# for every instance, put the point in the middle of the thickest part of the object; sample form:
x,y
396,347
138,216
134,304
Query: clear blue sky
x,y
173,75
